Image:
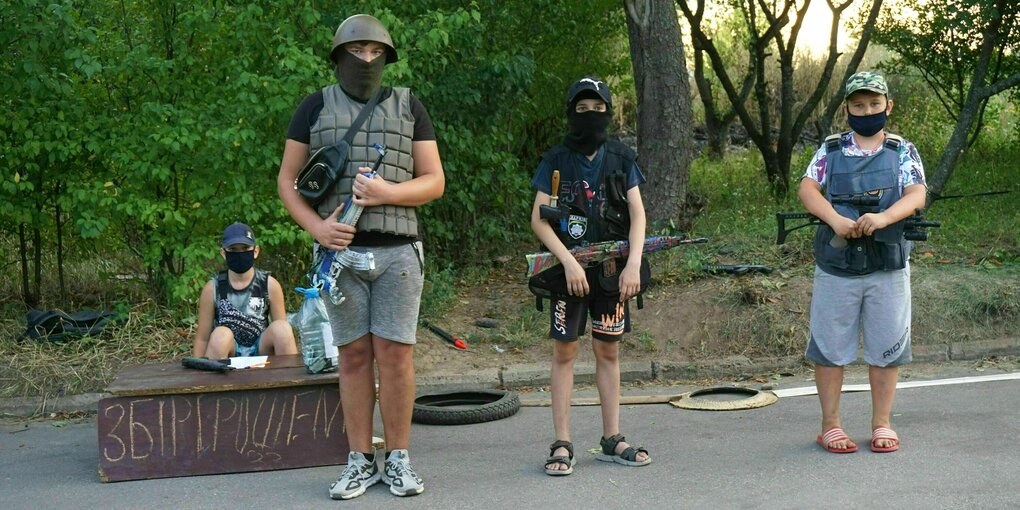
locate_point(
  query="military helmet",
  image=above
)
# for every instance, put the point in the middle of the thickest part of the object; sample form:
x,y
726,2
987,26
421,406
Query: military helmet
x,y
362,27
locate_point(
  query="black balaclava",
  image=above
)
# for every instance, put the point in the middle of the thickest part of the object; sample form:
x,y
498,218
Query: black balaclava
x,y
358,78
586,131
240,261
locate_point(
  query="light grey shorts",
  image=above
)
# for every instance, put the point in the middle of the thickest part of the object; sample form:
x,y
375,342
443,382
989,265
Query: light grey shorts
x,y
383,301
875,305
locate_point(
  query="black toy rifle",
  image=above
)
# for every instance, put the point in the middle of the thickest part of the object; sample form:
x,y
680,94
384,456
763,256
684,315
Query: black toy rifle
x,y
736,269
914,227
209,365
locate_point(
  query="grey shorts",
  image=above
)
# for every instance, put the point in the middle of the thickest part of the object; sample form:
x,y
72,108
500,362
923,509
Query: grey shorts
x,y
383,301
875,305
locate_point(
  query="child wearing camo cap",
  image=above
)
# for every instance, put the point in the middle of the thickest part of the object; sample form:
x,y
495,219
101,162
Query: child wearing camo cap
x,y
862,184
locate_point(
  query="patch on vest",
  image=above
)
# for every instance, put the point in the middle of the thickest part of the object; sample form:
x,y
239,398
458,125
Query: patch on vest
x,y
577,226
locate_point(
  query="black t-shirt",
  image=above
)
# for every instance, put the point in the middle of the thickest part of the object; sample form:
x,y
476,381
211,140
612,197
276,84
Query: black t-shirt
x,y
300,129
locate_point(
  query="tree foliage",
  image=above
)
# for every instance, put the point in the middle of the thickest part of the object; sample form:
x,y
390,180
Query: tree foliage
x,y
967,51
773,29
148,125
40,131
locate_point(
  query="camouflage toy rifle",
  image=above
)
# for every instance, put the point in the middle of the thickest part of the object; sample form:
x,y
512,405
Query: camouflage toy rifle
x,y
914,227
328,263
597,252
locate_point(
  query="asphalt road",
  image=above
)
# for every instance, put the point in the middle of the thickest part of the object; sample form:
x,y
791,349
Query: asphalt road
x,y
959,451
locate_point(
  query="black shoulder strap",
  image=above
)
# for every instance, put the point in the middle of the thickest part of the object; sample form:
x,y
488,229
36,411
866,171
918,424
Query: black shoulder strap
x,y
360,119
618,162
222,288
893,141
832,142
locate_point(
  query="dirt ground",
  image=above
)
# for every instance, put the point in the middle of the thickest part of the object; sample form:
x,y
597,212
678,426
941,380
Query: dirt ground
x,y
707,318
754,317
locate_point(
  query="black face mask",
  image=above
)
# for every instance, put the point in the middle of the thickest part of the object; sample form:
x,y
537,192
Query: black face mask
x,y
586,131
867,125
358,78
240,261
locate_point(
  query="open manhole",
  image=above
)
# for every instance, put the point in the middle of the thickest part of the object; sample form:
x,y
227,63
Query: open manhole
x,y
725,398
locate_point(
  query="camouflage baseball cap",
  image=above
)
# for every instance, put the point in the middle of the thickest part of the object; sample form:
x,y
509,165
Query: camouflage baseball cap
x,y
866,80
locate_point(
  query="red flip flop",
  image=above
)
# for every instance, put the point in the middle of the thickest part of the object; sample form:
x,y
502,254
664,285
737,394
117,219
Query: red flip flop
x,y
884,433
833,435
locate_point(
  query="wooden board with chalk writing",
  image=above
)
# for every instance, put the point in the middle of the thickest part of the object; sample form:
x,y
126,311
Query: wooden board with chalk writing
x,y
164,420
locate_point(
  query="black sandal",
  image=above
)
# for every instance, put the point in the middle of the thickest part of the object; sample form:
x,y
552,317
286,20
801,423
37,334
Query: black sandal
x,y
560,459
628,457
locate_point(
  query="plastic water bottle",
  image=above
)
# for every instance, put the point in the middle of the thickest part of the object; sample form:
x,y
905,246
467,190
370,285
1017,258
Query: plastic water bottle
x,y
332,353
314,330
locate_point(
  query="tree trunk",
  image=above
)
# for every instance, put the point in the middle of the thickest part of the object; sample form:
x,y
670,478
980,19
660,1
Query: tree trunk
x,y
26,290
823,123
665,120
716,128
60,245
37,260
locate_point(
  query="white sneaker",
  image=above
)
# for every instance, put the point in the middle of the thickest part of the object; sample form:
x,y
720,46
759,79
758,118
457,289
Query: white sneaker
x,y
356,478
400,476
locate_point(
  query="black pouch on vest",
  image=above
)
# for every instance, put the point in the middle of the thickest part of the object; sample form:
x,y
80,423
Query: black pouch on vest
x,y
550,284
609,277
320,173
316,179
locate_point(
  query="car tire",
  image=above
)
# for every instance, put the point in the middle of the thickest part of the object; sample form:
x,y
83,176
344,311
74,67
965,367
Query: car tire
x,y
465,407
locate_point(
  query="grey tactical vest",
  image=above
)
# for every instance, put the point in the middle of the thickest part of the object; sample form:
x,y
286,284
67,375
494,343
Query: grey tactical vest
x,y
873,182
390,125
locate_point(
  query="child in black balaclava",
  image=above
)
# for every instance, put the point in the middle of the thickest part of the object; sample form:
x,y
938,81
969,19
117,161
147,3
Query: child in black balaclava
x,y
599,185
589,112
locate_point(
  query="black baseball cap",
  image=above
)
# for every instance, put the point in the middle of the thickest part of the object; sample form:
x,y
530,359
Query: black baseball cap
x,y
238,233
589,87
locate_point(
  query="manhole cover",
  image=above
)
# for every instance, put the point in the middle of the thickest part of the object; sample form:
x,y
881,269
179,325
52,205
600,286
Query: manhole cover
x,y
724,399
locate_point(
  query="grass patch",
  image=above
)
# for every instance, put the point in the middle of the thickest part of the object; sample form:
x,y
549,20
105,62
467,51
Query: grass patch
x,y
952,304
87,364
528,328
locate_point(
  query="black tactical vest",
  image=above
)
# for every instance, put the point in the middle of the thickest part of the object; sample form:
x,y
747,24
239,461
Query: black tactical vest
x,y
611,221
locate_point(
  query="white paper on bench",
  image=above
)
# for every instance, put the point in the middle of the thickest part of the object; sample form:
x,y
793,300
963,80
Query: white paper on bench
x,y
248,361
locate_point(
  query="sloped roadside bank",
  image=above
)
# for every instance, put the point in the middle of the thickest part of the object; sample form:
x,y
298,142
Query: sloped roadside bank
x,y
713,327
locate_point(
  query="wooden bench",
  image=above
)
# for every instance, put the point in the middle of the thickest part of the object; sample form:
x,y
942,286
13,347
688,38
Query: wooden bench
x,y
165,420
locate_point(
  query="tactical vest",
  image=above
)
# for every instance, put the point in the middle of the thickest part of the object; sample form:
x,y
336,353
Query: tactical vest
x,y
612,222
246,311
860,179
390,125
